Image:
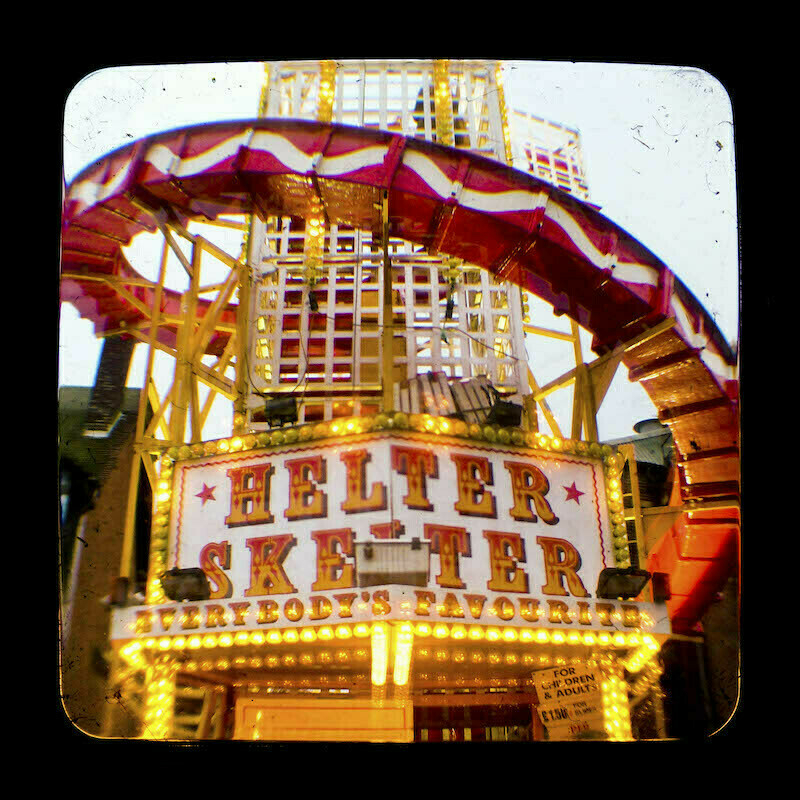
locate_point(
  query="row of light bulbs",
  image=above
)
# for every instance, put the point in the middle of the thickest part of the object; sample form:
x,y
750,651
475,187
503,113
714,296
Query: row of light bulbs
x,y
646,646
400,421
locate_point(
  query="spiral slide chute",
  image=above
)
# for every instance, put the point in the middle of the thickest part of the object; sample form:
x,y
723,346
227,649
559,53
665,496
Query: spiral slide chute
x,y
463,205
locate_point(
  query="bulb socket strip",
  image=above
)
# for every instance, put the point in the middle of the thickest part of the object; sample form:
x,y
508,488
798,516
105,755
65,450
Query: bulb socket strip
x,y
640,647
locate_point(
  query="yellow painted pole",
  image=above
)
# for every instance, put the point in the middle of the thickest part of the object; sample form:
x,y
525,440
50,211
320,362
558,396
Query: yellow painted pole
x,y
443,103
128,539
183,365
629,452
388,314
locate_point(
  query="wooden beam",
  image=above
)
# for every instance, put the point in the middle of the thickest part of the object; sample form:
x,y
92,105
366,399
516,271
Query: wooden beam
x,y
387,360
617,353
129,531
215,380
170,239
548,414
184,363
566,337
629,453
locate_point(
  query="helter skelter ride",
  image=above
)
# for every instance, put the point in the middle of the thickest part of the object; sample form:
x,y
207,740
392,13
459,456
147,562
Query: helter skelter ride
x,y
385,534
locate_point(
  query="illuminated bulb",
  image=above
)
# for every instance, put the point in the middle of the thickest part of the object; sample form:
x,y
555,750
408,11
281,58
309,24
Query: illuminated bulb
x,y
380,653
325,633
343,632
458,632
423,629
291,636
308,635
476,633
510,635
274,637
257,637
441,631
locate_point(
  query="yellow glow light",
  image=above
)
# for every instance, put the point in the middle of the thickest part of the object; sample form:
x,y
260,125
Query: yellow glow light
x,y
441,631
510,635
380,653
325,633
343,632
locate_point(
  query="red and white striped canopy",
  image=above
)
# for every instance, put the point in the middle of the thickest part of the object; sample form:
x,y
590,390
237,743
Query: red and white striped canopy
x,y
455,202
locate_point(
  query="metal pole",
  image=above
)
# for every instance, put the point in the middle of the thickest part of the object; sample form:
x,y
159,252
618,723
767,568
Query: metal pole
x,y
128,541
388,313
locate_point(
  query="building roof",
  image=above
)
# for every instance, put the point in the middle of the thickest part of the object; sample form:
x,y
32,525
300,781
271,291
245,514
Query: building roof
x,y
94,454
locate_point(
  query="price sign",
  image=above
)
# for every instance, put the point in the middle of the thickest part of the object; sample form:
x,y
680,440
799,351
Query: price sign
x,y
562,714
562,686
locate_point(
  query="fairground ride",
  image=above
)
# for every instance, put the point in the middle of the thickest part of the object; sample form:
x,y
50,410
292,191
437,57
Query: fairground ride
x,y
352,267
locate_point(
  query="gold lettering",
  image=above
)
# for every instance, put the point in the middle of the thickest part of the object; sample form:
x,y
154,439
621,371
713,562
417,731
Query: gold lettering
x,y
249,495
561,562
506,551
305,500
356,502
529,485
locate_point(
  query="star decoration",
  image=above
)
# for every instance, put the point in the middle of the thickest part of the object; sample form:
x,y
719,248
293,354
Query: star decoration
x,y
207,493
573,493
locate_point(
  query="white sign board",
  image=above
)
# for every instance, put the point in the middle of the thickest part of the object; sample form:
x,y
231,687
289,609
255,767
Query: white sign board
x,y
513,536
500,520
